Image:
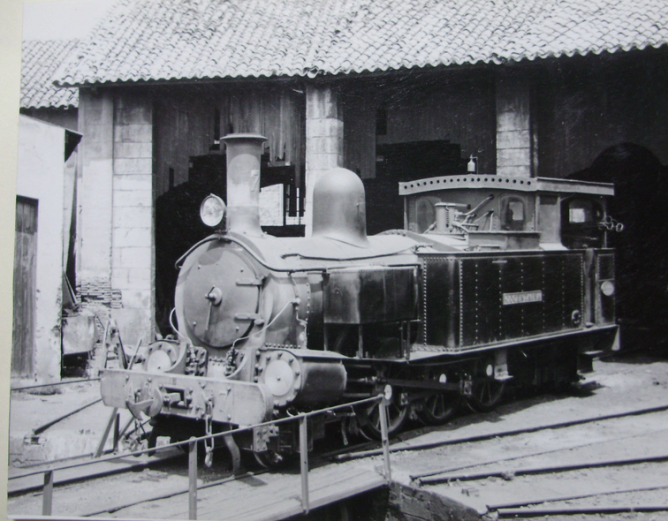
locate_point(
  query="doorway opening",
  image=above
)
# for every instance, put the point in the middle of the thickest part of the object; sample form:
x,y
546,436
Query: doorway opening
x,y
641,249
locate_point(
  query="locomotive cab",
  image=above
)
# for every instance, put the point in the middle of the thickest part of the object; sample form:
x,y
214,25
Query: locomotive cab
x,y
475,212
514,261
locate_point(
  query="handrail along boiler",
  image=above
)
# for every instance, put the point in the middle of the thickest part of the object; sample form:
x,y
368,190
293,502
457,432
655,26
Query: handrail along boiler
x,y
493,278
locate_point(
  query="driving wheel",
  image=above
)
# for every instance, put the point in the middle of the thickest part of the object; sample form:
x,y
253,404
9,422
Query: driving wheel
x,y
486,393
369,418
438,407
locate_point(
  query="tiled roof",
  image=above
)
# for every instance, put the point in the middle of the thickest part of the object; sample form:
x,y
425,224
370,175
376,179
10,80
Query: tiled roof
x,y
143,40
40,60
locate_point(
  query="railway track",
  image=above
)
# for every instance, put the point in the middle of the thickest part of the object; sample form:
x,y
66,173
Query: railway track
x,y
594,484
542,456
81,468
580,478
574,459
168,477
77,469
107,487
361,451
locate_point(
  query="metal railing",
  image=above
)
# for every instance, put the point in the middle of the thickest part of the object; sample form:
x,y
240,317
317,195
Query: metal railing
x,y
381,399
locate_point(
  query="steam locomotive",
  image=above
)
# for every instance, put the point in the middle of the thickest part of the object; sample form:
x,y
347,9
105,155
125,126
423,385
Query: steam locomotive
x,y
492,279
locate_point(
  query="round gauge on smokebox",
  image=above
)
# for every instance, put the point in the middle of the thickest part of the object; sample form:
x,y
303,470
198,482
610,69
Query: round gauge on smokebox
x,y
220,299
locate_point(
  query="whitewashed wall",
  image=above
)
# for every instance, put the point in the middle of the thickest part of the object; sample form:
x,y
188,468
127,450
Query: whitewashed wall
x,y
41,176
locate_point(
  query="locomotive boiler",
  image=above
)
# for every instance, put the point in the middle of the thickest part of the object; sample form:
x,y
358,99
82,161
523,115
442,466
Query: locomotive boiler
x,y
492,279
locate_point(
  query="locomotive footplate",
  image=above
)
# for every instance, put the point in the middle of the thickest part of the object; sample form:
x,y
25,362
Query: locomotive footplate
x,y
228,401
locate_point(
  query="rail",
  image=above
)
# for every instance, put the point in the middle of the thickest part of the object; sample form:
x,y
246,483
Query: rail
x,y
54,384
382,399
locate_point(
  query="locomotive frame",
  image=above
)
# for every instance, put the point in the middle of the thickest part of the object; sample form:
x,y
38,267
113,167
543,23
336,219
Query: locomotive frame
x,y
492,279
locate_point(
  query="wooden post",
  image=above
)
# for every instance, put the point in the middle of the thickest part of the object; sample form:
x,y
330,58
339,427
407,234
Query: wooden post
x,y
117,431
382,408
192,479
303,458
105,435
47,493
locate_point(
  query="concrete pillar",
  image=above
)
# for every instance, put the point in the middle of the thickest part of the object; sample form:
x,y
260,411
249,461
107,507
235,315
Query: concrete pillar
x,y
115,255
94,199
324,140
513,126
132,260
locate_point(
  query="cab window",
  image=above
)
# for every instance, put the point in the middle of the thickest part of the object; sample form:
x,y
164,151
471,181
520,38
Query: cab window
x,y
579,223
513,214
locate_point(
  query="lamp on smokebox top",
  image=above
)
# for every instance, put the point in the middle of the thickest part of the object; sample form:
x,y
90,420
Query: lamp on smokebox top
x,y
212,211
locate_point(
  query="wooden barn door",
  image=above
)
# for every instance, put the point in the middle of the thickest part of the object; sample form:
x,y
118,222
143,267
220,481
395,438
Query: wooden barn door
x,y
25,250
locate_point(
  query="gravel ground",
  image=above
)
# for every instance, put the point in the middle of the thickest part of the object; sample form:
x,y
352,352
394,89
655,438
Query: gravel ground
x,y
622,384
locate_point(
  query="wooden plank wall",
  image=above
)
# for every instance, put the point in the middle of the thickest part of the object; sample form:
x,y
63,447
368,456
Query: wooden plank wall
x,y
185,124
459,107
25,269
588,105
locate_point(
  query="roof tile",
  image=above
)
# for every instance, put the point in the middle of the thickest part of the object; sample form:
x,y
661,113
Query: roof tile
x,y
141,40
40,60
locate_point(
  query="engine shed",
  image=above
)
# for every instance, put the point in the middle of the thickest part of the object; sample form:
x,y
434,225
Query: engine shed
x,y
364,95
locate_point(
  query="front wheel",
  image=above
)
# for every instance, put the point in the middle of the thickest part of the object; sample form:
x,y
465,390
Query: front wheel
x,y
273,460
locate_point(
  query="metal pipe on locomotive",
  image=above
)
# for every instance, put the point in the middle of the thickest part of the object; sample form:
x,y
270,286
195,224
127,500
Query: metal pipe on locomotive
x,y
492,279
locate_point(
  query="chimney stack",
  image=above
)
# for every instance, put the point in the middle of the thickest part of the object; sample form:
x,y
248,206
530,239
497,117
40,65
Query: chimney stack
x,y
243,182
